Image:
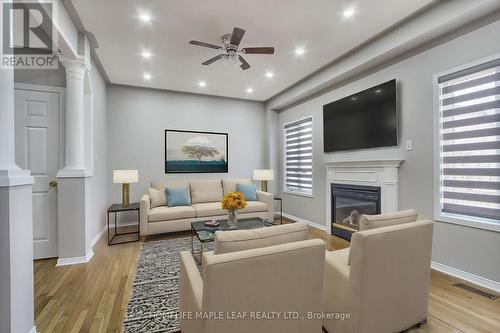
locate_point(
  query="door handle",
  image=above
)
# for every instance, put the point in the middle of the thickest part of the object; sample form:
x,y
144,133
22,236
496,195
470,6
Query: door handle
x,y
52,183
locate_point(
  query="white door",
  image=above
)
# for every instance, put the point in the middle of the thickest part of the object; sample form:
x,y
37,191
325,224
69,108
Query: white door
x,y
37,149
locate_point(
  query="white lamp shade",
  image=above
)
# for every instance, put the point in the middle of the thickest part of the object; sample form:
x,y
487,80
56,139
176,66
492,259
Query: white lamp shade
x,y
263,174
125,176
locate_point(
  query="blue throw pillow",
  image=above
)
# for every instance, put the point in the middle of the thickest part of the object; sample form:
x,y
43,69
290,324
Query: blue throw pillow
x,y
178,196
249,191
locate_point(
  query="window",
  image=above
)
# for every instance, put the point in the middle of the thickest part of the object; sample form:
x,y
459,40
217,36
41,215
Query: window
x,y
298,143
469,143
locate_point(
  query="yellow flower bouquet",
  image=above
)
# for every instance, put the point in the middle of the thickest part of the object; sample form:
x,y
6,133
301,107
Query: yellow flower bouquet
x,y
232,202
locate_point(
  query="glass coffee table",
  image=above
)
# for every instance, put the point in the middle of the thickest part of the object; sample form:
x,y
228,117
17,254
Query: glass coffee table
x,y
207,234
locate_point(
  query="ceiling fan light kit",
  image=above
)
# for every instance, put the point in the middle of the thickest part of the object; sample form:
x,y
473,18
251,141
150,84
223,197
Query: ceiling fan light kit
x,y
233,55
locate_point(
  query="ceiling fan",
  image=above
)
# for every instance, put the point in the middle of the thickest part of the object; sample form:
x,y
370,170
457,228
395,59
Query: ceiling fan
x,y
230,44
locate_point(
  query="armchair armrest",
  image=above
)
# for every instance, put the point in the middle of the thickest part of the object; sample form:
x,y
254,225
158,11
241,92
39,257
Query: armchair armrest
x,y
144,208
268,199
191,293
205,255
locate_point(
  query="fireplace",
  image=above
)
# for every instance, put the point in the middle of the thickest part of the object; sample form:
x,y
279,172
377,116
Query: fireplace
x,y
349,202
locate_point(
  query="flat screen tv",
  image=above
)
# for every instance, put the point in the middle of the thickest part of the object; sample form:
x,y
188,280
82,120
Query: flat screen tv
x,y
368,119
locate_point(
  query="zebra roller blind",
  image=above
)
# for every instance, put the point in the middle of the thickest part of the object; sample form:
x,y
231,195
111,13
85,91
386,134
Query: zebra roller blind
x,y
298,157
469,119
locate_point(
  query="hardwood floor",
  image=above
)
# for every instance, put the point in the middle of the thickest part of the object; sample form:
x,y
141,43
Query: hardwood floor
x,y
93,297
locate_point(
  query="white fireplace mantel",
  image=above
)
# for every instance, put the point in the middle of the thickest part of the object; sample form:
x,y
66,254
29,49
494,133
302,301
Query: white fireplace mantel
x,y
381,173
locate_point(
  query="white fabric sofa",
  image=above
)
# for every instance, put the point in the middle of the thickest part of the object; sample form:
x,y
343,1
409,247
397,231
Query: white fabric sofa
x,y
248,276
206,196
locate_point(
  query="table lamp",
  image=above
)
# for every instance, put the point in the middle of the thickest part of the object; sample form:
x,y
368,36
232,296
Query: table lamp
x,y
125,177
263,175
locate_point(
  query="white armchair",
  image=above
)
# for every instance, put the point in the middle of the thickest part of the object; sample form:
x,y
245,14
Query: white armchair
x,y
280,279
385,286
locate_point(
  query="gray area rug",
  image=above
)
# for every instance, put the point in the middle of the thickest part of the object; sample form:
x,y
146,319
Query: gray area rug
x,y
154,303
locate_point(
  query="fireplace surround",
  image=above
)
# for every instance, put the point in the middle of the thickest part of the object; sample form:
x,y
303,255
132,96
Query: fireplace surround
x,y
382,174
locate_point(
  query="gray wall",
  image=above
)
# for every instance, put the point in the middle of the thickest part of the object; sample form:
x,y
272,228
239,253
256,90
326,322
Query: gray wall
x,y
47,77
98,184
138,117
468,249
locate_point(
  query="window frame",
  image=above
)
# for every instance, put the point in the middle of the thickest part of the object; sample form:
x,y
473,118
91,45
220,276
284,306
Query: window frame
x,y
458,219
283,133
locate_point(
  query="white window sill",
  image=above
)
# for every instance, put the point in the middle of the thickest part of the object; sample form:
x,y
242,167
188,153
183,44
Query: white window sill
x,y
299,194
468,221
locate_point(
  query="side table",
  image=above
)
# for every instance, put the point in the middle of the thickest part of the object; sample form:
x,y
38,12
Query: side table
x,y
281,208
118,208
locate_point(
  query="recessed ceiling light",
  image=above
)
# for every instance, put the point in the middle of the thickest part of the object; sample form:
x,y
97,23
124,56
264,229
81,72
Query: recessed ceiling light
x,y
354,98
146,54
145,17
147,76
378,91
299,51
269,74
202,84
249,90
348,12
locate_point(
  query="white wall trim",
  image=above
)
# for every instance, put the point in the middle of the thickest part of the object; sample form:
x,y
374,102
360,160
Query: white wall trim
x,y
97,237
32,330
300,219
478,280
75,260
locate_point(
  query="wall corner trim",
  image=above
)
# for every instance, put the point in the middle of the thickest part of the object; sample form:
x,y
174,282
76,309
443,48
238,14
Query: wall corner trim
x,y
469,277
75,260
299,219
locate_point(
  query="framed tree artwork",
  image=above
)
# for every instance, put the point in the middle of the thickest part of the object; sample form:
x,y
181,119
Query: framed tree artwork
x,y
195,152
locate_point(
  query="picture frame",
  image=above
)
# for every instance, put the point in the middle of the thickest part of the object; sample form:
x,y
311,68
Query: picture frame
x,y
196,152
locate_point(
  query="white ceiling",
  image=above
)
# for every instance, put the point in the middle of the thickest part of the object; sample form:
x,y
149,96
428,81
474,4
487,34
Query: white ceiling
x,y
316,25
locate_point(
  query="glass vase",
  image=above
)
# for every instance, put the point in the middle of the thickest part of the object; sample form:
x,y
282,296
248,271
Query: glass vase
x,y
232,218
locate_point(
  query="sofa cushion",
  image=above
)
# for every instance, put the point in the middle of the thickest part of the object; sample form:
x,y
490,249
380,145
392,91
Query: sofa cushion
x,y
229,185
249,191
157,197
239,240
165,213
177,196
368,222
254,206
169,183
208,209
205,191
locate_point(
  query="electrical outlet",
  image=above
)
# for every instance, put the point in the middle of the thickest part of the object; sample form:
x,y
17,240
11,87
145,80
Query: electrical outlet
x,y
409,145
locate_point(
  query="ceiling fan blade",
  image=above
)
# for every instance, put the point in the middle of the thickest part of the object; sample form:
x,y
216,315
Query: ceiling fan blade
x,y
211,60
258,50
236,36
212,46
244,64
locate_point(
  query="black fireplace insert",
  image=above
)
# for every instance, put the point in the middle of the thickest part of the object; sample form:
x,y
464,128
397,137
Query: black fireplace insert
x,y
349,202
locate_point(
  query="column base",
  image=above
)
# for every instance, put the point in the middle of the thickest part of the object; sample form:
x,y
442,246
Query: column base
x,y
73,173
75,260
18,177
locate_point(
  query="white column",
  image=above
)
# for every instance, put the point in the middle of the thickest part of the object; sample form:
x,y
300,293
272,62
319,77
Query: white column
x,y
7,147
75,118
16,222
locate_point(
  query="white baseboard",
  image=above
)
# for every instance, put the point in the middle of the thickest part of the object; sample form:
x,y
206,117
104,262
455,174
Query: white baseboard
x,y
299,219
75,260
97,237
32,330
478,280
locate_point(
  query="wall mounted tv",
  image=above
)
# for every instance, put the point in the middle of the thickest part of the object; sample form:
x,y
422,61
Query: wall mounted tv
x,y
364,120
